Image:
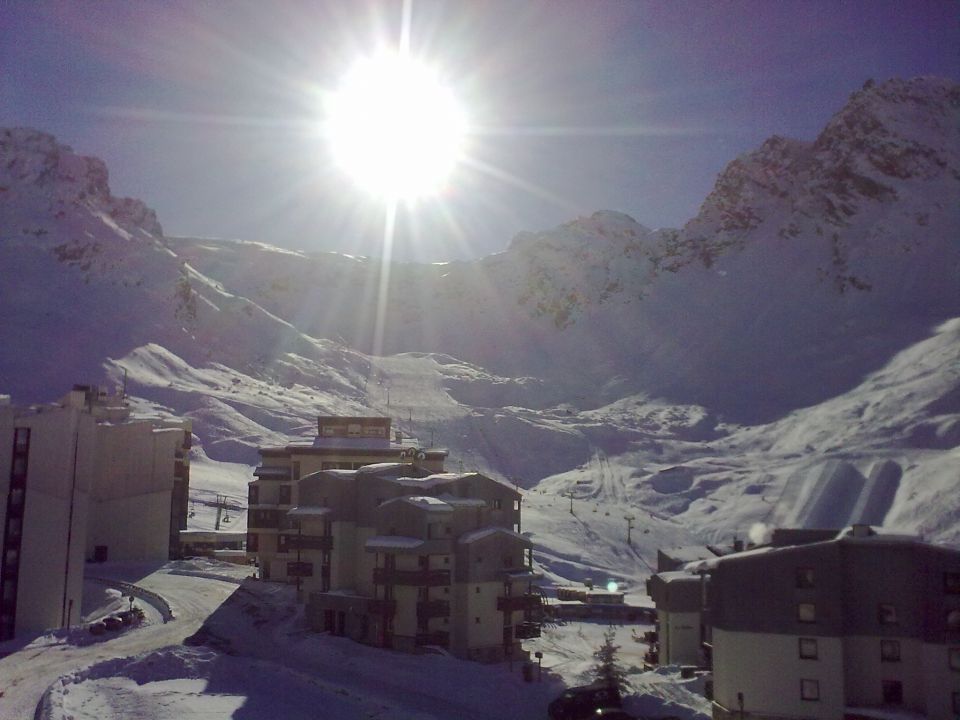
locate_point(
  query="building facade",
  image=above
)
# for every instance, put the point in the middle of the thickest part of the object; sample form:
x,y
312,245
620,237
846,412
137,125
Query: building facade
x,y
845,628
81,479
396,554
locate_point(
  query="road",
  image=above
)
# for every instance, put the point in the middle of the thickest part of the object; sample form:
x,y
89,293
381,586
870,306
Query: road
x,y
26,674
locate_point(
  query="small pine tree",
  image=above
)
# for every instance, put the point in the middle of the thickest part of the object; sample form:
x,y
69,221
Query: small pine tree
x,y
608,669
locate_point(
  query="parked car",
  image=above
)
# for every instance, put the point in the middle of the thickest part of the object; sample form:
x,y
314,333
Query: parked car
x,y
613,714
582,703
113,623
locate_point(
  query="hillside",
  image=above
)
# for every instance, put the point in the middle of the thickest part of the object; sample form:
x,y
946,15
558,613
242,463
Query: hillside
x,y
789,356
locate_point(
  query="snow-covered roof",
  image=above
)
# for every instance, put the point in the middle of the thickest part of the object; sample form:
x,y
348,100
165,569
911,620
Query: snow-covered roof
x,y
677,576
270,471
392,542
688,553
461,501
422,501
308,511
428,482
482,533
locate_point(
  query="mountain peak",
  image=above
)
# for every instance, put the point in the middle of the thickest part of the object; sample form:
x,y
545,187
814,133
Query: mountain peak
x,y
47,178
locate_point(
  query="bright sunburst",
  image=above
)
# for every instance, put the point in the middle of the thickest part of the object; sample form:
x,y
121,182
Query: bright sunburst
x,y
395,128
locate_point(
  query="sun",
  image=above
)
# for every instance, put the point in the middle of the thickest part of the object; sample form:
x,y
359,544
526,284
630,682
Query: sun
x,y
395,128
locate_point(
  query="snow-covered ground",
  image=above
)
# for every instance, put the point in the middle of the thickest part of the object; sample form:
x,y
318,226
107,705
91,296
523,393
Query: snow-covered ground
x,y
253,659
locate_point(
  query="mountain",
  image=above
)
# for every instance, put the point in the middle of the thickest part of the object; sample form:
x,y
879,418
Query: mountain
x,y
723,373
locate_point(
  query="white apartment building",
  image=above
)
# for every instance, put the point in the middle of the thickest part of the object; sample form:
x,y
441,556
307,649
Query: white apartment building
x,y
861,626
82,480
397,554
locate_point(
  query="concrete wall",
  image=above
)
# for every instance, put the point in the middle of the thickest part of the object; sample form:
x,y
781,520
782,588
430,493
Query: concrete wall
x,y
679,638
767,669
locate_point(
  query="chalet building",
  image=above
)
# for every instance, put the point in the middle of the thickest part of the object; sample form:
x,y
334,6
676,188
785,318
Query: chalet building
x,y
82,479
396,554
859,625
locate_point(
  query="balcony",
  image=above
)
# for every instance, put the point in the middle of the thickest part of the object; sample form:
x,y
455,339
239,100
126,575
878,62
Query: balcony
x,y
515,603
428,578
526,631
438,637
309,542
379,606
265,519
299,569
427,609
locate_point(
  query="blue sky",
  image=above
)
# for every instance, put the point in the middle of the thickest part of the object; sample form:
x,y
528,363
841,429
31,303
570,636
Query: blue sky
x,y
208,110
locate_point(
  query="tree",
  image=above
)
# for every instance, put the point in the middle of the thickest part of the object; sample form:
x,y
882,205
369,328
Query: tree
x,y
608,669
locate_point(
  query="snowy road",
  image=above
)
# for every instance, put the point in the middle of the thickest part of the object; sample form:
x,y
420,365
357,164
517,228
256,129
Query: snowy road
x,y
25,674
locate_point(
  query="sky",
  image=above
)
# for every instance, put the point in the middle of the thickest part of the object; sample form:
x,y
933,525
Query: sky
x,y
211,112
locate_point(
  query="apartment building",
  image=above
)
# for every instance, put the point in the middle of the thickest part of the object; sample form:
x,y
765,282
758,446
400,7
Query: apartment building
x,y
399,554
82,479
342,443
861,624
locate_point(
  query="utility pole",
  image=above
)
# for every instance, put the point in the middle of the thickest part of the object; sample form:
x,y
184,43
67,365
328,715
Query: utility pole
x,y
629,519
569,493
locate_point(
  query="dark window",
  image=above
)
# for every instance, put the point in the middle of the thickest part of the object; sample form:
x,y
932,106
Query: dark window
x,y
284,495
892,692
21,439
476,620
809,689
808,648
253,495
805,577
477,590
954,658
447,529
497,504
890,650
951,583
295,471
886,614
283,543
807,612
253,542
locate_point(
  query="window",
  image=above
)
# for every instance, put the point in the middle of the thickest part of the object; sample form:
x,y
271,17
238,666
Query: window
x,y
423,561
21,439
497,504
516,504
447,529
807,612
886,614
477,590
476,620
890,651
808,648
284,495
805,577
295,471
954,658
253,542
951,583
809,689
253,495
446,559
892,692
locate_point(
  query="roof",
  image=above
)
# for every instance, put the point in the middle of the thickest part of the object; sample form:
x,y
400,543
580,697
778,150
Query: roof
x,y
392,542
688,553
270,471
422,501
677,576
461,501
308,511
486,532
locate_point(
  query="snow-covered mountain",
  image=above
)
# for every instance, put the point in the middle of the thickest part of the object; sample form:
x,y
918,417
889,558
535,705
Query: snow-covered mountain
x,y
814,293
